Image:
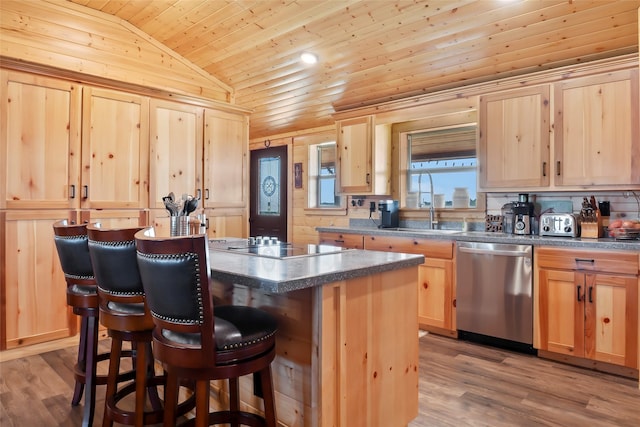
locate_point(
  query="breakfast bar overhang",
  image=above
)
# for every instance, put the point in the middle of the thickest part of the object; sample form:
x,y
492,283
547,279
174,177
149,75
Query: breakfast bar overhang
x,y
347,346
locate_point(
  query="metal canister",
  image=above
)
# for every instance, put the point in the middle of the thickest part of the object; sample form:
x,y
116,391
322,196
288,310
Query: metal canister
x,y
507,218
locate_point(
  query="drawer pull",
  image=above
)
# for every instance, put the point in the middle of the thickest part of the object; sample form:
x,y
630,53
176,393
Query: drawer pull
x,y
578,293
590,294
590,261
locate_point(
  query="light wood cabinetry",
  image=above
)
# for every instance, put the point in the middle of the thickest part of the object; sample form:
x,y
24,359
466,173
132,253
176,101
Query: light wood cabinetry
x,y
436,290
115,147
175,151
596,130
226,173
40,126
364,156
514,138
33,292
344,240
588,304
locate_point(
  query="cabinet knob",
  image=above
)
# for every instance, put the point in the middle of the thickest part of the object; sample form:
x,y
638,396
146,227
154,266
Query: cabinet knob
x,y
425,285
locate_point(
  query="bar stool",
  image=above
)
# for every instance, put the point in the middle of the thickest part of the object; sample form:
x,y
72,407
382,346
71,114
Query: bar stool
x,y
122,312
195,340
73,252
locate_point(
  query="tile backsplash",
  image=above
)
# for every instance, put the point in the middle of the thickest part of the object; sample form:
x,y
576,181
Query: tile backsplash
x,y
624,204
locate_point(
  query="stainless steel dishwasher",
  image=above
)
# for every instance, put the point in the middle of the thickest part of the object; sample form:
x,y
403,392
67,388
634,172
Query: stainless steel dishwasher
x,y
494,288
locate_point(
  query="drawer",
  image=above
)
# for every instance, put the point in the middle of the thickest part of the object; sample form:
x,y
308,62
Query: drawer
x,y
345,240
620,262
430,248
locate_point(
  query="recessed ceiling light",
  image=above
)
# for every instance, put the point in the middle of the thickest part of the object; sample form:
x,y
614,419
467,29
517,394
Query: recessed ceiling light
x,y
308,58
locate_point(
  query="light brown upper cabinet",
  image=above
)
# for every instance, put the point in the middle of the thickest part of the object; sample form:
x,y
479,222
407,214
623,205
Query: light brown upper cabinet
x,y
115,147
226,144
514,139
596,130
364,156
175,151
40,142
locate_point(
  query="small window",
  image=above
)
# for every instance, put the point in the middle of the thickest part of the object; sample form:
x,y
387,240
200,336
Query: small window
x,y
322,176
445,159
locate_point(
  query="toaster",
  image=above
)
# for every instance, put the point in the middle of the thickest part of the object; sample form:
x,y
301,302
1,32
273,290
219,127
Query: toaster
x,y
559,224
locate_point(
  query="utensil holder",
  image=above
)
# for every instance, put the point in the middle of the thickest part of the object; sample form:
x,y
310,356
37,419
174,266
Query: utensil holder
x,y
179,225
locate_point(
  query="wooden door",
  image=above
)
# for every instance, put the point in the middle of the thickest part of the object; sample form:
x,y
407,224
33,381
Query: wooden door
x,y
115,150
435,300
39,142
514,139
34,298
268,192
561,311
597,139
612,319
225,159
354,148
176,151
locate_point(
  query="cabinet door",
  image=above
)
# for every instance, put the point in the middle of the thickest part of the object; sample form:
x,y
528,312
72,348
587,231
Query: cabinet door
x,y
561,309
514,139
176,150
34,298
227,223
435,300
225,159
596,130
39,142
115,153
354,148
611,327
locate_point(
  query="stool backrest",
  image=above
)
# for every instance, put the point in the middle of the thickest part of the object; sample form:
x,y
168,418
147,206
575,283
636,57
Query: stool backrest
x,y
113,256
176,279
72,245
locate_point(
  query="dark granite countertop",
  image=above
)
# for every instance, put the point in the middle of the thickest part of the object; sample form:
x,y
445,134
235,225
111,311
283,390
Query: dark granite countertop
x,y
481,236
275,275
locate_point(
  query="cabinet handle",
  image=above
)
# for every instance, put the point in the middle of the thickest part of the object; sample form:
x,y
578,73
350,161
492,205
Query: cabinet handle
x,y
206,194
85,191
558,168
584,260
544,168
73,191
578,293
207,222
339,241
590,294
198,194
368,178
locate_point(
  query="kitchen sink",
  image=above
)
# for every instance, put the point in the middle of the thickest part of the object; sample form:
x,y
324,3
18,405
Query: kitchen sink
x,y
423,230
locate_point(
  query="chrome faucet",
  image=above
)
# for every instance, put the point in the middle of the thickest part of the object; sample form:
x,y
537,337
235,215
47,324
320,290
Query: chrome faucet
x,y
433,222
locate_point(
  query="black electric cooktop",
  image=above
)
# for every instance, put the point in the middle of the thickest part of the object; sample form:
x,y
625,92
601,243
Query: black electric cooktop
x,y
275,249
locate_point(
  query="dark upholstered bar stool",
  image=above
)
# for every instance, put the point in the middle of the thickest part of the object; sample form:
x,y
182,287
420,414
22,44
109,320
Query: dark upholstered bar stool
x,y
122,312
195,340
82,296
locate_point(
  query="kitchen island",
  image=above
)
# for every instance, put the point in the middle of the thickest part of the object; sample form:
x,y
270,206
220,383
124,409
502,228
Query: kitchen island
x,y
347,346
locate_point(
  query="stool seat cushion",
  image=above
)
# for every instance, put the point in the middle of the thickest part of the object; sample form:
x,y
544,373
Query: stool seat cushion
x,y
235,327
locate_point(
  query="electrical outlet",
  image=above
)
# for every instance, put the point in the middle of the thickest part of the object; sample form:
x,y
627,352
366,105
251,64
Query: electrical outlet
x,y
372,206
626,194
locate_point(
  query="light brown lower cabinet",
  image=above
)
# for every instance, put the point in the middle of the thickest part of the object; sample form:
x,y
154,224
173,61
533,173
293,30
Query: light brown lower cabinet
x,y
436,290
588,305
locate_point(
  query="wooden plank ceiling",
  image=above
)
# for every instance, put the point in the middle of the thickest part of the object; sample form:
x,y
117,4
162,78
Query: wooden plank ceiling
x,y
372,51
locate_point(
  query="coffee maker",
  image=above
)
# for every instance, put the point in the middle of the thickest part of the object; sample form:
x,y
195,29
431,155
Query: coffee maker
x,y
389,215
522,215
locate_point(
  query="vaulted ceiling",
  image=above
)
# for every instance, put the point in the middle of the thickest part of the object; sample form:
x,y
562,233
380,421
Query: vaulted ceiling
x,y
372,51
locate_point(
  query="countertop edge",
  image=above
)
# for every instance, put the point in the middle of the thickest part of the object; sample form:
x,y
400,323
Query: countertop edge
x,y
480,236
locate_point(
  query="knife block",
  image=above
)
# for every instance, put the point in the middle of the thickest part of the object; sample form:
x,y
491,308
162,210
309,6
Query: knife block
x,y
592,230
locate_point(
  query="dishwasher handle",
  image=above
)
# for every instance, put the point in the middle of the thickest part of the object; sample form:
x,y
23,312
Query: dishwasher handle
x,y
495,252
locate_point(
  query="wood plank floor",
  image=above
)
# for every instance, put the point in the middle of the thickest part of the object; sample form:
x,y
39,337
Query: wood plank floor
x,y
461,384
